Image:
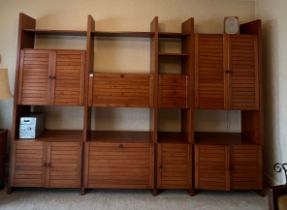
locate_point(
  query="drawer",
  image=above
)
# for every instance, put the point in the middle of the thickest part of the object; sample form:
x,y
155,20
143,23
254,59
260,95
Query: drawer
x,y
120,165
173,91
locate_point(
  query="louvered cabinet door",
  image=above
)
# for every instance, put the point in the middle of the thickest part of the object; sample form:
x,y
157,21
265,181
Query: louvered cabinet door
x,y
34,83
174,166
63,165
121,90
246,167
28,165
68,79
209,72
212,167
119,165
243,61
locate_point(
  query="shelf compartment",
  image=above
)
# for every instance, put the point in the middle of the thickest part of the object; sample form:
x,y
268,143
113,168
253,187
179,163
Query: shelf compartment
x,y
58,136
120,136
121,34
221,138
120,90
57,32
172,137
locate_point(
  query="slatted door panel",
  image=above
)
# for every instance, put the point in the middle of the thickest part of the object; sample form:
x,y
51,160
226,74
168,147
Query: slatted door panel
x,y
244,89
211,167
209,72
121,90
34,83
64,165
69,72
126,165
173,91
29,170
174,166
246,168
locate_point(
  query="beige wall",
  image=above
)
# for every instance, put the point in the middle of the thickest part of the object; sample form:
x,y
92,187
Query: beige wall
x,y
274,16
125,55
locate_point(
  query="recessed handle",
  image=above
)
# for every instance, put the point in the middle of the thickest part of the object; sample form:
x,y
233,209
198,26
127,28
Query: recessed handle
x,y
121,146
52,77
228,71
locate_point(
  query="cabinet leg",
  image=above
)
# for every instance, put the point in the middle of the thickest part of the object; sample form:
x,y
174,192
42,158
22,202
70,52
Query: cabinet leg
x,y
83,191
155,192
261,193
191,192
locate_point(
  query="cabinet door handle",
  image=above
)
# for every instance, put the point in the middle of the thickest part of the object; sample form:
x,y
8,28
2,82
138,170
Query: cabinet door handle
x,y
52,77
160,167
49,165
228,71
121,146
45,164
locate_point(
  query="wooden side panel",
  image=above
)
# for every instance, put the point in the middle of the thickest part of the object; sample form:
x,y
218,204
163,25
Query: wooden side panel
x,y
174,166
246,169
29,170
64,165
209,72
173,91
244,83
34,87
121,90
124,165
211,167
69,77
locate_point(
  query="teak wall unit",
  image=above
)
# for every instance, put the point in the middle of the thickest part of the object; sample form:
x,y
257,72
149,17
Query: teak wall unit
x,y
215,72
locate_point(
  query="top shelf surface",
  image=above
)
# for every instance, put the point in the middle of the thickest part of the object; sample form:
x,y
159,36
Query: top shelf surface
x,y
57,32
121,34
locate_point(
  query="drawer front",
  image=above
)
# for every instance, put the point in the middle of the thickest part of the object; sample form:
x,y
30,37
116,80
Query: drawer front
x,y
123,165
246,167
173,91
174,166
211,167
28,164
121,90
64,169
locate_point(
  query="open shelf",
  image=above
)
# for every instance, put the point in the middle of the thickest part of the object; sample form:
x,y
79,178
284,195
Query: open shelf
x,y
58,135
221,138
172,35
120,136
57,32
174,54
121,34
172,137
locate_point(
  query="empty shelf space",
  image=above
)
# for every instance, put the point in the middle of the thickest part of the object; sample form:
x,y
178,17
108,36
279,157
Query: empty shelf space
x,y
120,136
221,138
59,135
172,137
121,34
57,32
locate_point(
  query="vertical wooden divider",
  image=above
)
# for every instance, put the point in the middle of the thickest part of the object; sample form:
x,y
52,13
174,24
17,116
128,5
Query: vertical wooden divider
x,y
87,109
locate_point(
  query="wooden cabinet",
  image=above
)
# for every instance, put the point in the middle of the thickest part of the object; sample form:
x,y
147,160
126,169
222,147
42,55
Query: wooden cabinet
x,y
223,167
226,73
173,91
174,166
41,164
119,165
120,90
49,77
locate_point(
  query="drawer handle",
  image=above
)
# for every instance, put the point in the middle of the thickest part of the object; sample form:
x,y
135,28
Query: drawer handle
x,y
121,146
160,167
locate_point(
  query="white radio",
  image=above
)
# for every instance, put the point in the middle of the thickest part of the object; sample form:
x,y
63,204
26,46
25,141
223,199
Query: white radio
x,y
31,125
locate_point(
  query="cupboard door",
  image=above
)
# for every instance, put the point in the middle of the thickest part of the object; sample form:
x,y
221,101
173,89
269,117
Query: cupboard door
x,y
212,167
69,77
243,63
173,91
174,166
63,165
34,83
209,72
29,170
246,167
119,165
121,90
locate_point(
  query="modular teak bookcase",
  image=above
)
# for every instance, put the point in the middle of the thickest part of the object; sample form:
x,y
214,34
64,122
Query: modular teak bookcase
x,y
218,72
